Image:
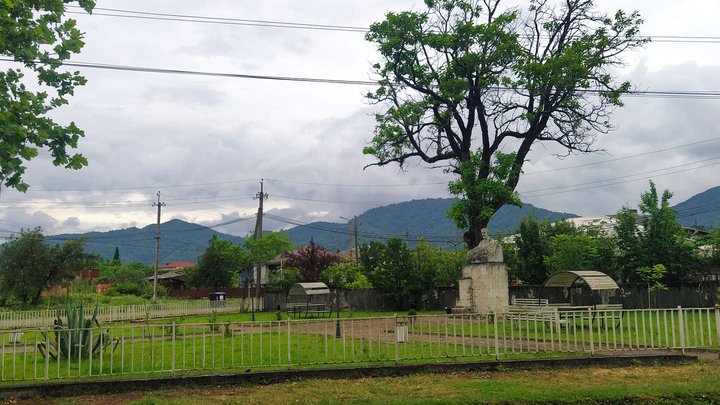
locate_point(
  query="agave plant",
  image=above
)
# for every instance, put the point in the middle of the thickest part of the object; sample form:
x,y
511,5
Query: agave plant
x,y
74,339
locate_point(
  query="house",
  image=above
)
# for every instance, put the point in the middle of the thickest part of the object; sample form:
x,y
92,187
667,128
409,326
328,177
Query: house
x,y
170,275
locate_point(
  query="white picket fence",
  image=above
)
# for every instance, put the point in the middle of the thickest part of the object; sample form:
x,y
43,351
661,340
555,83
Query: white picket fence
x,y
40,318
170,347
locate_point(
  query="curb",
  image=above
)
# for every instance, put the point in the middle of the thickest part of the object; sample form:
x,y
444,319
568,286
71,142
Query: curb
x,y
102,387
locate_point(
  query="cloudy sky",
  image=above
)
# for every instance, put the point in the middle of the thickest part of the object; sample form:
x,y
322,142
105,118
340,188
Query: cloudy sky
x,y
205,142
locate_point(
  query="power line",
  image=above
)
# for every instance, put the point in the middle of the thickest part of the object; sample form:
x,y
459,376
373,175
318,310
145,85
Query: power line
x,y
85,190
147,15
616,183
624,157
677,94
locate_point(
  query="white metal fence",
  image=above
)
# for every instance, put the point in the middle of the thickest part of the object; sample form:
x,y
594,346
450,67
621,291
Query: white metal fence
x,y
182,348
40,318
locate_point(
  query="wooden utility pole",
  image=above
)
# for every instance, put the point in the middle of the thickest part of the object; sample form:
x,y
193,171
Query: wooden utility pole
x,y
262,195
159,206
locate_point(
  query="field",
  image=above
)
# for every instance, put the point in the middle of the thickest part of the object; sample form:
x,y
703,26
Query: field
x,y
685,383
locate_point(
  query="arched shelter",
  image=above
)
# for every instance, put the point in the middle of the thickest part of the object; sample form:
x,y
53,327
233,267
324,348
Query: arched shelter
x,y
308,299
596,281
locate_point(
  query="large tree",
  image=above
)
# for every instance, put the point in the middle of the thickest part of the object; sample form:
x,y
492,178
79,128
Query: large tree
x,y
660,239
28,265
465,79
37,34
311,260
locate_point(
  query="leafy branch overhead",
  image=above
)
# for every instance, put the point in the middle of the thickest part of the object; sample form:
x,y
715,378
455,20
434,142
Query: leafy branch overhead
x,y
37,35
466,80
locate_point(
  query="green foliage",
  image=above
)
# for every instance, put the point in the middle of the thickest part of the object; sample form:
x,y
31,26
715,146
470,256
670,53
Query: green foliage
x,y
310,260
116,256
213,321
219,264
28,265
407,277
527,262
347,275
571,253
479,186
127,279
267,247
37,35
661,240
652,277
74,339
439,74
393,274
284,278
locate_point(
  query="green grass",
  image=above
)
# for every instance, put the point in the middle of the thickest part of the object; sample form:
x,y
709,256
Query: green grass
x,y
692,383
198,348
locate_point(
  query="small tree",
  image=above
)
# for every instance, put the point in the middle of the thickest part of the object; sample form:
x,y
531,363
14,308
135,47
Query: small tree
x,y
652,278
284,278
116,257
311,260
347,275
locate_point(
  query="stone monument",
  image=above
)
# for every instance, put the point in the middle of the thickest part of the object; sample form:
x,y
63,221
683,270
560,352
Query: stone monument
x,y
484,283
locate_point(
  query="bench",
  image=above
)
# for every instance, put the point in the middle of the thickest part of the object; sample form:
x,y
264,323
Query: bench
x,y
608,313
529,302
533,310
306,309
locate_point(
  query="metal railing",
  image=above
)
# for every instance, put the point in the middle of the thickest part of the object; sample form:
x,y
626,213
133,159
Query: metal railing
x,y
43,354
40,318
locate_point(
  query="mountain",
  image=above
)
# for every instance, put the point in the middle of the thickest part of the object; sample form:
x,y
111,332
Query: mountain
x,y
412,220
701,209
180,241
183,241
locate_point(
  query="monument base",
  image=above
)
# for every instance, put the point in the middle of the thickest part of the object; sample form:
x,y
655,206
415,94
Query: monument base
x,y
483,289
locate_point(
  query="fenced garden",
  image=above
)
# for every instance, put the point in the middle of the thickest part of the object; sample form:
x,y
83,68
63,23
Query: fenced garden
x,y
38,354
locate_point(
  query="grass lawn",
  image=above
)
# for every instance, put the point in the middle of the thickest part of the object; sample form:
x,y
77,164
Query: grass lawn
x,y
689,383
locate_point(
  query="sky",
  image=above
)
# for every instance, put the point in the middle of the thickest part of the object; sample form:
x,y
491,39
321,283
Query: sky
x,y
205,142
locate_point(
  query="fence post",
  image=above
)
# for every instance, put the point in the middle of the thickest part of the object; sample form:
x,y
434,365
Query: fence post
x,y
497,343
289,357
396,342
681,322
47,354
717,324
172,362
591,331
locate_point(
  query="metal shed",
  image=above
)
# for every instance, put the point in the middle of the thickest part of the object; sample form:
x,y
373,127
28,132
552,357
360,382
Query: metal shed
x,y
305,292
596,281
309,298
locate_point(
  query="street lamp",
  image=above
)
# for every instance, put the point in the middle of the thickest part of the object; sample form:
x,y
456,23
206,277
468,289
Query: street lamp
x,y
338,332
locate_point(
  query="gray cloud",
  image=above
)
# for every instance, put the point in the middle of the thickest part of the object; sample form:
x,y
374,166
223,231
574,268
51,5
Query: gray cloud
x,y
150,132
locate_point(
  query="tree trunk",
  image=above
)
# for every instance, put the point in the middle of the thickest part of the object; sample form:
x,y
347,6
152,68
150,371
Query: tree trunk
x,y
473,236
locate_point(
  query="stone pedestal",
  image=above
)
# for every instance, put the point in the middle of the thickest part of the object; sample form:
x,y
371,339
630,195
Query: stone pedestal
x,y
483,289
484,283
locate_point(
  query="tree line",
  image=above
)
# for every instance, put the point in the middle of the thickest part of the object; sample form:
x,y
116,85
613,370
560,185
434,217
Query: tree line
x,y
647,245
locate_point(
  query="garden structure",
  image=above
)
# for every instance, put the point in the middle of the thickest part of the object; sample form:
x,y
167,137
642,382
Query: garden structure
x,y
309,299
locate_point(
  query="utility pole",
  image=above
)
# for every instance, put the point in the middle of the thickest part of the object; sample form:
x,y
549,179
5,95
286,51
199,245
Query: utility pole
x,y
357,246
262,195
159,206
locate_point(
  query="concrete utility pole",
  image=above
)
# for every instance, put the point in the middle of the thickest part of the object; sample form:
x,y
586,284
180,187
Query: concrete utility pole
x,y
262,195
159,206
352,224
357,246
